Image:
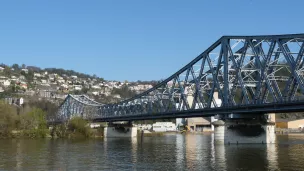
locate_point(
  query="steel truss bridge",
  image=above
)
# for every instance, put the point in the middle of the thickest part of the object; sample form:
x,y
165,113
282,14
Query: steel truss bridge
x,y
251,74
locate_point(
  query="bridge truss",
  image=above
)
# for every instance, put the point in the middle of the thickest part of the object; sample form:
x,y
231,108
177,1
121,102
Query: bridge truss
x,y
249,73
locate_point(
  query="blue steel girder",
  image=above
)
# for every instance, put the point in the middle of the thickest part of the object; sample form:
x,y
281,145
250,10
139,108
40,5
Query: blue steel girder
x,y
243,70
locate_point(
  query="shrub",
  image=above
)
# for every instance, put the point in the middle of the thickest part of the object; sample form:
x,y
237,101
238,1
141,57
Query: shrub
x,y
79,127
35,119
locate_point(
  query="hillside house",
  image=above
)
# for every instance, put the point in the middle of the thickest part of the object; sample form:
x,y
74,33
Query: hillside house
x,y
96,87
23,85
25,70
77,87
6,83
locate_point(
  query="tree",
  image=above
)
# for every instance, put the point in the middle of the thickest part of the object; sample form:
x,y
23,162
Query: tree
x,y
80,126
7,71
35,119
84,90
15,67
7,119
48,107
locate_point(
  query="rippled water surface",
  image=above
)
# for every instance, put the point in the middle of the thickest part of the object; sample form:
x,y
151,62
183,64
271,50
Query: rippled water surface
x,y
169,152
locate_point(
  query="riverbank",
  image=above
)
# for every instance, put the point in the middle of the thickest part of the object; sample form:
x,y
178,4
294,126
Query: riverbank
x,y
291,134
41,134
75,128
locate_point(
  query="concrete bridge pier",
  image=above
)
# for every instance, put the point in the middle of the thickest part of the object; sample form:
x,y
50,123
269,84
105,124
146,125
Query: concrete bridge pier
x,y
120,130
258,129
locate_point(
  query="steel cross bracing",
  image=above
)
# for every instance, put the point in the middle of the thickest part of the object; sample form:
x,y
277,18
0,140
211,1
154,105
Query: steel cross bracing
x,y
246,71
77,105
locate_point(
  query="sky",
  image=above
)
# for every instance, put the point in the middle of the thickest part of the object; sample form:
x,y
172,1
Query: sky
x,y
132,39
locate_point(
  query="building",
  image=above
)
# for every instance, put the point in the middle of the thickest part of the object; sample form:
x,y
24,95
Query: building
x,y
290,124
23,85
163,126
25,70
144,126
37,74
7,83
199,124
74,77
77,87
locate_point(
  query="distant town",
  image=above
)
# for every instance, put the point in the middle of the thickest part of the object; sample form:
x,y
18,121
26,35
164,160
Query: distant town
x,y
56,84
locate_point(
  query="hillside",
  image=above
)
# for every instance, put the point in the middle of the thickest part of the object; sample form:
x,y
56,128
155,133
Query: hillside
x,y
56,83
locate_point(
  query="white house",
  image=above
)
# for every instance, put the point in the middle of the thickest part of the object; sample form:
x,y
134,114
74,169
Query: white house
x,y
22,77
60,80
164,126
1,90
144,126
7,83
64,86
74,76
25,70
43,81
96,87
77,87
116,96
95,93
37,74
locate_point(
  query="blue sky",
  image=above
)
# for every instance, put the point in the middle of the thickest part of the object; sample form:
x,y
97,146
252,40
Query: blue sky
x,y
132,40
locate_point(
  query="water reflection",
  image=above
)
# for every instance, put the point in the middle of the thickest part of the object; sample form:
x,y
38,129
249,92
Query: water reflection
x,y
272,156
170,152
218,156
18,155
180,151
134,149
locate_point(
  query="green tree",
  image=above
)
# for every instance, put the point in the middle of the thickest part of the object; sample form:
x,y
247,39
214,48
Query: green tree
x,y
7,119
7,72
35,119
15,67
79,126
23,66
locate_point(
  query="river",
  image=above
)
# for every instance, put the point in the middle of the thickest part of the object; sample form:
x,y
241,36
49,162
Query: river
x,y
169,152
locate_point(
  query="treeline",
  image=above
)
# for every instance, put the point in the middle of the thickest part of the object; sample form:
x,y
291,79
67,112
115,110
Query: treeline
x,y
61,71
17,70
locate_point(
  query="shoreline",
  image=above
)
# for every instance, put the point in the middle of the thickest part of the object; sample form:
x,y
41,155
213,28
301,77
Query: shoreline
x,y
291,134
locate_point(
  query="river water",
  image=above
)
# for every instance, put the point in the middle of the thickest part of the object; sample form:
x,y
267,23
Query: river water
x,y
169,152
